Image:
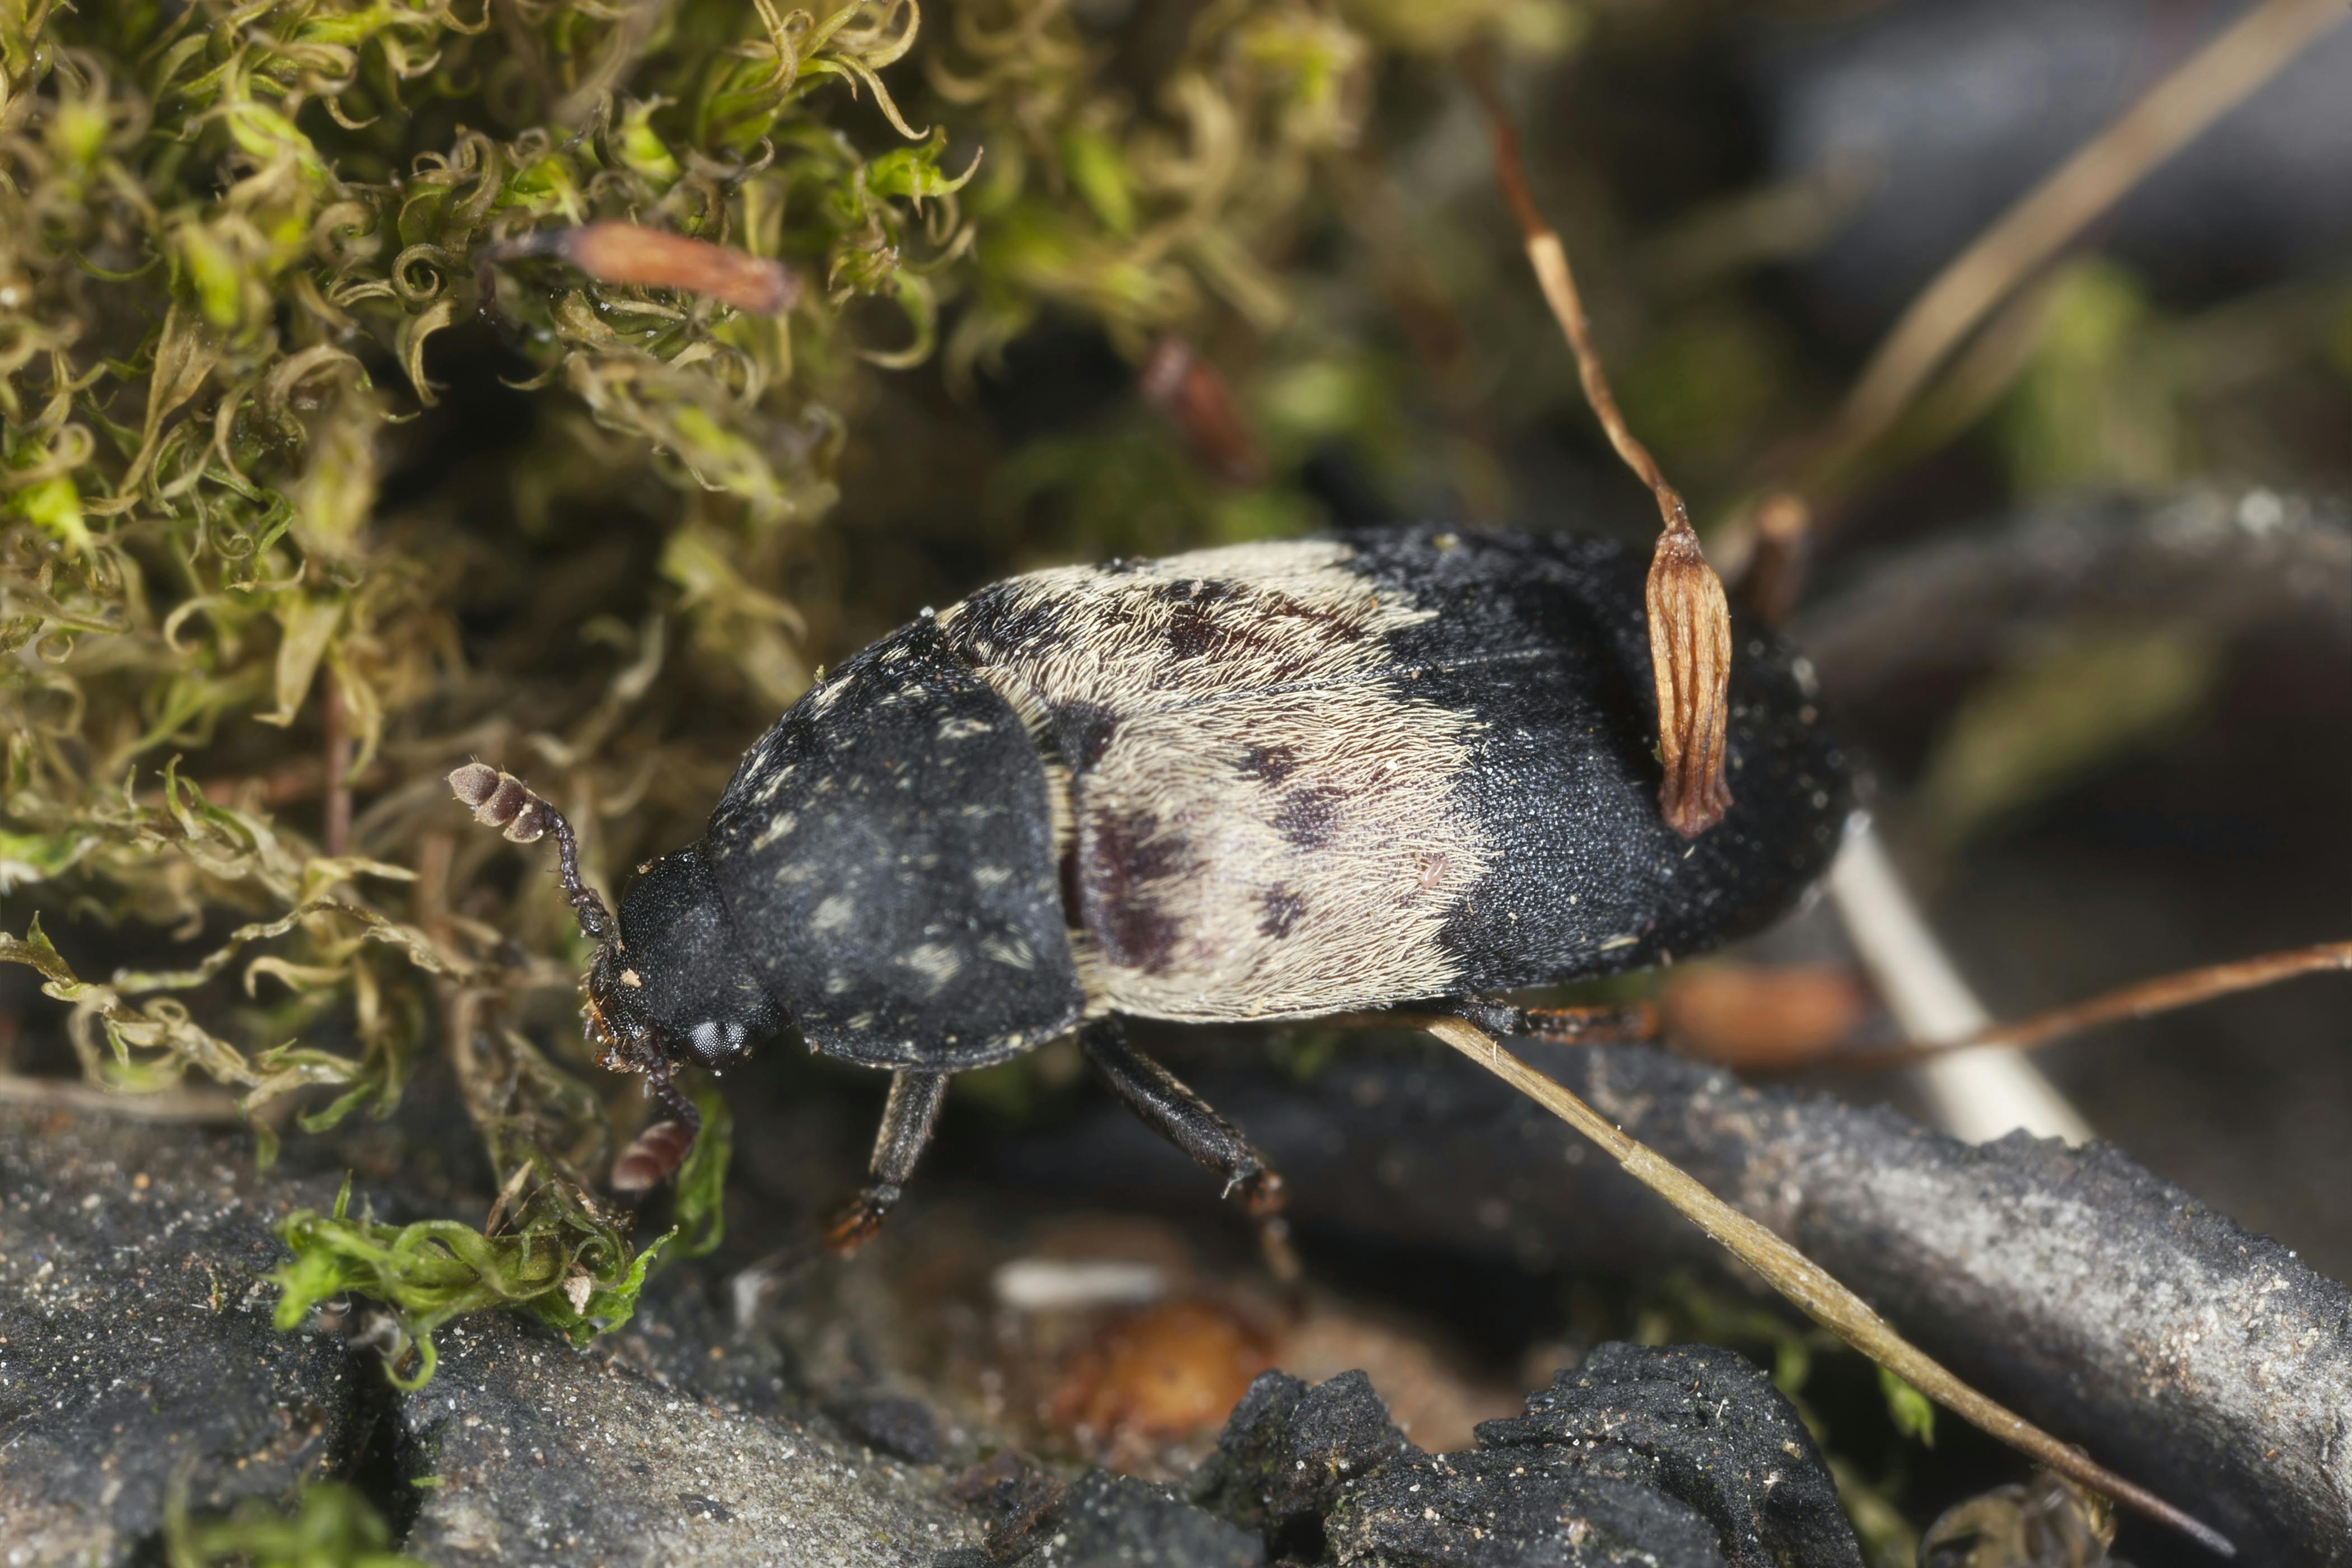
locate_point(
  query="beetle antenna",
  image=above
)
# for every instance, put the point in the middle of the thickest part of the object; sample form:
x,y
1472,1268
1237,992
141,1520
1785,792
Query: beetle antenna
x,y
502,801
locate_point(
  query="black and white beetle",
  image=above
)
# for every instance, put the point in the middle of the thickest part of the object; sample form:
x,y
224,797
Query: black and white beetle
x,y
1271,781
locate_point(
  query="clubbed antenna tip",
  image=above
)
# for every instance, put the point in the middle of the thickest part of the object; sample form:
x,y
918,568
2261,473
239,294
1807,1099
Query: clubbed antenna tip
x,y
502,801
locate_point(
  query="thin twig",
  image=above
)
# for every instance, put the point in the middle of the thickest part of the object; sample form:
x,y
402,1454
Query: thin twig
x,y
1808,1286
1690,620
2142,999
2172,114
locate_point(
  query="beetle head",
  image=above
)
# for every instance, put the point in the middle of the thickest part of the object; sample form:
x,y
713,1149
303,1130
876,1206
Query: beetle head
x,y
669,985
673,984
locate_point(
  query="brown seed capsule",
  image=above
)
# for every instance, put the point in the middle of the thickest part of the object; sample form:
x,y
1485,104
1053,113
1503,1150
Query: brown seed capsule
x,y
1177,381
651,1156
627,252
1690,659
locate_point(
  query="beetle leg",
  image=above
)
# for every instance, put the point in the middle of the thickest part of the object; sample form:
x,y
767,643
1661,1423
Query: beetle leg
x,y
1185,1119
908,1118
1635,1023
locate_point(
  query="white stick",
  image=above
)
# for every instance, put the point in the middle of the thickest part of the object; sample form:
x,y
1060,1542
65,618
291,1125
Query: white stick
x,y
1975,1095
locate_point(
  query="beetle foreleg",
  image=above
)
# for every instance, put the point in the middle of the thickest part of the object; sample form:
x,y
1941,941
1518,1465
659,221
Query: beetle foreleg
x,y
908,1118
1172,1110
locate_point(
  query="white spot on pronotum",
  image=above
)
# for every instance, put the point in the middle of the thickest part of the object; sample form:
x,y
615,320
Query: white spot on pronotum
x,y
833,912
988,877
935,963
963,729
783,823
632,979
1012,952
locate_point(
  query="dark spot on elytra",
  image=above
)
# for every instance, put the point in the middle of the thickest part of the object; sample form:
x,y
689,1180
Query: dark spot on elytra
x,y
1219,619
1124,856
1269,764
1279,909
1193,632
1308,817
1082,731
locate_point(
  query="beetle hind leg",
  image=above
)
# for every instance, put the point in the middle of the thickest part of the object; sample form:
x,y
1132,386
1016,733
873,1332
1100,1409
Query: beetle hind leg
x,y
909,1119
1172,1110
1633,1024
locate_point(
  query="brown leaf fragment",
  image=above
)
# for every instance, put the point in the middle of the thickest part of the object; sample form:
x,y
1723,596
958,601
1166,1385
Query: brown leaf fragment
x,y
1690,659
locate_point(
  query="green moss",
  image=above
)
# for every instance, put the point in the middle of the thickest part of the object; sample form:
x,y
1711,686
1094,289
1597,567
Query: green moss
x,y
257,290
330,1526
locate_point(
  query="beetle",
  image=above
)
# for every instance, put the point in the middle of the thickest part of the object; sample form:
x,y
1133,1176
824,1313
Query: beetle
x,y
1329,777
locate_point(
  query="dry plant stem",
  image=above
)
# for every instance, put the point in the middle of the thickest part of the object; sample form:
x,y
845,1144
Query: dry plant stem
x,y
1690,620
2166,117
197,1105
1810,1286
336,835
2142,999
1778,560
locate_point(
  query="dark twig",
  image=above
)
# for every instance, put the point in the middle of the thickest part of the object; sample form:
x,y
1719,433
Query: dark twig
x,y
1808,1286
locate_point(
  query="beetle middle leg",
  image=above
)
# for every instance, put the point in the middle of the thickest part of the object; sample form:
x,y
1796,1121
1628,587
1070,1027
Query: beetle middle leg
x,y
908,1118
1172,1110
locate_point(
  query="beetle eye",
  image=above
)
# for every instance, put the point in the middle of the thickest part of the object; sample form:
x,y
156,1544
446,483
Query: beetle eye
x,y
714,1043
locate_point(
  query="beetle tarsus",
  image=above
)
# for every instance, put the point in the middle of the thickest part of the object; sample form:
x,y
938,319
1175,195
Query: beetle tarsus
x,y
909,1119
1635,1024
855,1225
